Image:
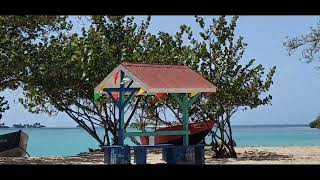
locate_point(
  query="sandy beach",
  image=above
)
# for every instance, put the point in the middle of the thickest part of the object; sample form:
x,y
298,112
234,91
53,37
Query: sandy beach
x,y
246,155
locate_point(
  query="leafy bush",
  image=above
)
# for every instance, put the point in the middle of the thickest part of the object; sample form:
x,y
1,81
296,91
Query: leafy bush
x,y
315,123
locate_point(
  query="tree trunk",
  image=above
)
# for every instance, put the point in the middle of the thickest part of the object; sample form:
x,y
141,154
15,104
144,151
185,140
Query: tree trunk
x,y
231,144
222,148
225,147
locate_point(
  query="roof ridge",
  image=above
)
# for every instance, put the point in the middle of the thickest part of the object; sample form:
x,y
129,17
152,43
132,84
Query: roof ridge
x,y
156,65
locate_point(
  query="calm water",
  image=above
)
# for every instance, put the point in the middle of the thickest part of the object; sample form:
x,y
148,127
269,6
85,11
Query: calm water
x,y
71,141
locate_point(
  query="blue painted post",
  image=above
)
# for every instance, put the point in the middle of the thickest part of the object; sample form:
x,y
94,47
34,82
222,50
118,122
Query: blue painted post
x,y
121,110
140,155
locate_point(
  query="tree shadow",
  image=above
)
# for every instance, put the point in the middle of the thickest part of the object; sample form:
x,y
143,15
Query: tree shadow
x,y
243,157
94,158
256,155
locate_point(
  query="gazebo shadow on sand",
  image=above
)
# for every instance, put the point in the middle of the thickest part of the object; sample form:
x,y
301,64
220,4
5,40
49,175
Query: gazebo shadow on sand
x,y
250,155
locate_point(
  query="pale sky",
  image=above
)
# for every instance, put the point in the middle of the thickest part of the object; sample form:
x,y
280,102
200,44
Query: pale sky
x,y
296,84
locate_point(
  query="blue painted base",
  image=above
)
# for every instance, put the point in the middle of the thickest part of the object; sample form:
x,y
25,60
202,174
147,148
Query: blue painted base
x,y
184,154
116,155
192,154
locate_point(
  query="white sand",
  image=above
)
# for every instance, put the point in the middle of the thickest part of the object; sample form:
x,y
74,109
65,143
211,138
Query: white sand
x,y
246,155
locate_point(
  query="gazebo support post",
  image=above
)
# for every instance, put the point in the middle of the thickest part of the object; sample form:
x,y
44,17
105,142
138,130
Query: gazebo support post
x,y
185,109
121,110
121,104
185,103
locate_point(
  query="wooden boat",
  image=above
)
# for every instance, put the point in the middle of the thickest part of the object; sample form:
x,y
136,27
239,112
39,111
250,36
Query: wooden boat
x,y
198,131
13,144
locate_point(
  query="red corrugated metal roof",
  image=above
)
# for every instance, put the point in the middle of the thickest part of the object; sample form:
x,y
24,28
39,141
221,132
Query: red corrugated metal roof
x,y
168,76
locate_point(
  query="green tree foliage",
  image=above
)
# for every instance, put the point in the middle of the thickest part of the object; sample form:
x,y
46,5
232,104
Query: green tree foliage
x,y
315,123
3,106
240,83
65,69
218,57
309,44
16,36
60,72
17,33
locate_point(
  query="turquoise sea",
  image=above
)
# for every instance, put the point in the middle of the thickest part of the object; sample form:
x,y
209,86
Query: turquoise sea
x,y
72,141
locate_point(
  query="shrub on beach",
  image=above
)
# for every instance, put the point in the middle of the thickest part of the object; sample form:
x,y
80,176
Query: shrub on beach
x,y
315,123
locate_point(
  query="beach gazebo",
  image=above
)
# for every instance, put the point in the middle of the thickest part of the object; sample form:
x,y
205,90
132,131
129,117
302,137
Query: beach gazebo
x,y
179,82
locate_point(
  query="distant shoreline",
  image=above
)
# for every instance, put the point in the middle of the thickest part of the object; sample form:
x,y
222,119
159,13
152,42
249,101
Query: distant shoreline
x,y
257,125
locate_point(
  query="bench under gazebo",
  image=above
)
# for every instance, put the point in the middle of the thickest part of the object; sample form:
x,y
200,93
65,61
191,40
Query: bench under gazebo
x,y
129,80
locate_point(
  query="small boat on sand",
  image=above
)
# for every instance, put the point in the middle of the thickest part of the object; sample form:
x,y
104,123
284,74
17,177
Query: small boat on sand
x,y
198,131
13,144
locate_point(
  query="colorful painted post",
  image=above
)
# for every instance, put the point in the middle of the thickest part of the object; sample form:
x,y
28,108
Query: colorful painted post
x,y
121,104
121,110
